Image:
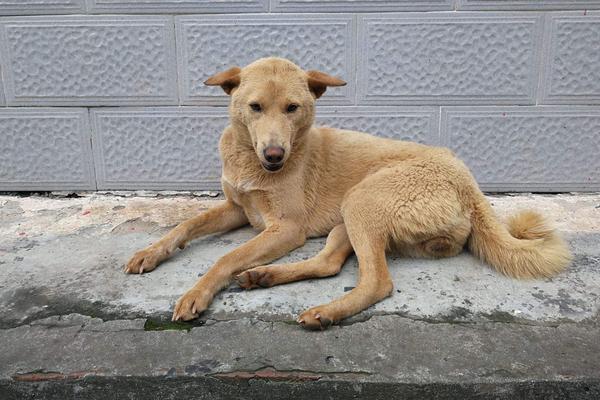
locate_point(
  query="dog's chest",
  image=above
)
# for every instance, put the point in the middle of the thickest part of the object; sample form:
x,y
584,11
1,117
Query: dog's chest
x,y
244,192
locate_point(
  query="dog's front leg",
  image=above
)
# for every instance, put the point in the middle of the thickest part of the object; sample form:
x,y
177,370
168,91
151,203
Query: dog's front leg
x,y
274,242
223,217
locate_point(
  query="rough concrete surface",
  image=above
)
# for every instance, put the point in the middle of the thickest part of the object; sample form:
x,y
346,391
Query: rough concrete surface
x,y
73,325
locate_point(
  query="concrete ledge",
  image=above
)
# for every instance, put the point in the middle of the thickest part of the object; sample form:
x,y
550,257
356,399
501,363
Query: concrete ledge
x,y
388,356
73,325
209,388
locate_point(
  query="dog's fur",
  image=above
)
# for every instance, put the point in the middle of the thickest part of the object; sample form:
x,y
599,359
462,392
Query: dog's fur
x,y
369,194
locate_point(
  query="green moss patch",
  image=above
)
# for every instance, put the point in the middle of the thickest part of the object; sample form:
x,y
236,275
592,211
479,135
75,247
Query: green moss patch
x,y
160,325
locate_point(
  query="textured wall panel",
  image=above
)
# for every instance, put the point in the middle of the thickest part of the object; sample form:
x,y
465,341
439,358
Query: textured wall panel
x,y
45,149
89,60
354,5
527,4
572,64
158,148
2,98
207,45
449,58
417,124
177,6
29,7
533,148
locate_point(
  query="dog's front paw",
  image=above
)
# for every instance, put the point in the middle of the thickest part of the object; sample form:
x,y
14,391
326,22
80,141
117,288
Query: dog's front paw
x,y
190,305
146,260
316,318
254,278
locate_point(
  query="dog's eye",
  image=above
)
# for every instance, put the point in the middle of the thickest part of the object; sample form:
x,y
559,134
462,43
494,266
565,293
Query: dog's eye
x,y
292,107
255,107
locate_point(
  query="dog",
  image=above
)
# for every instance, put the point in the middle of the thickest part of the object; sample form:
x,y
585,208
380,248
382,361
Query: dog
x,y
293,181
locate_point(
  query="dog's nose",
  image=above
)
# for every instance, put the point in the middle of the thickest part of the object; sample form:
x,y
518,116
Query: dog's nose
x,y
274,154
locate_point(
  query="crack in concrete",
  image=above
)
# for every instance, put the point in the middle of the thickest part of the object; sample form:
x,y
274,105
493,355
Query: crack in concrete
x,y
487,318
270,372
94,321
44,376
266,372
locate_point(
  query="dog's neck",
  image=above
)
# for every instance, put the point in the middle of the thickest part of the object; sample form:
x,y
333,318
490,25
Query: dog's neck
x,y
241,153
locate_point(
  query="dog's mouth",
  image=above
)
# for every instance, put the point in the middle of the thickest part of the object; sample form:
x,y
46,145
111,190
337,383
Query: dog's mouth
x,y
272,167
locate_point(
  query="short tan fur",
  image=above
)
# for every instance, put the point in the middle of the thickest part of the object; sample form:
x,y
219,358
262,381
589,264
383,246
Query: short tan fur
x,y
292,181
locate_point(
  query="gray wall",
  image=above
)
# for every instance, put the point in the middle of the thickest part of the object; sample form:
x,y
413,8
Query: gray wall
x,y
112,97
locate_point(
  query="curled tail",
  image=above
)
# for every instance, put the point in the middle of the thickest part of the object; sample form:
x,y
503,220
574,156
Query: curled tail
x,y
526,248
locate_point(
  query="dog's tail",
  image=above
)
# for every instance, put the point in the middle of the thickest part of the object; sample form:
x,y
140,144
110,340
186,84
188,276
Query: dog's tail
x,y
525,248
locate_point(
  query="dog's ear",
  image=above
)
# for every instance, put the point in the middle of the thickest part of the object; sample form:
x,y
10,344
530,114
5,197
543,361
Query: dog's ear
x,y
228,80
319,81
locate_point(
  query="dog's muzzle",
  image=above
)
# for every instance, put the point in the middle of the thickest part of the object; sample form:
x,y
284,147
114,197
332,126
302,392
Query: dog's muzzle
x,y
272,167
274,156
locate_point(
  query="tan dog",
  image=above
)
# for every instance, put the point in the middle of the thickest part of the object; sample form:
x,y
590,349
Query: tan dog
x,y
294,181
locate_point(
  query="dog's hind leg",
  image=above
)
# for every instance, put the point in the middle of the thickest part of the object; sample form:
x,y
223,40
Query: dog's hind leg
x,y
328,262
374,284
413,204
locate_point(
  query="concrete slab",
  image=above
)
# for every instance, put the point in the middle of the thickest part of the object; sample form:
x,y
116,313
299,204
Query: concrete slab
x,y
65,304
65,254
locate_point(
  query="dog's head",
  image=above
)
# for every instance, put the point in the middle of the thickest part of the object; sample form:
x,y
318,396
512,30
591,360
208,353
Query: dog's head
x,y
272,104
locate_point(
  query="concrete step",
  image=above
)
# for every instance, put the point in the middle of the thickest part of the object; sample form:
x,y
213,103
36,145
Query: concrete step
x,y
73,325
